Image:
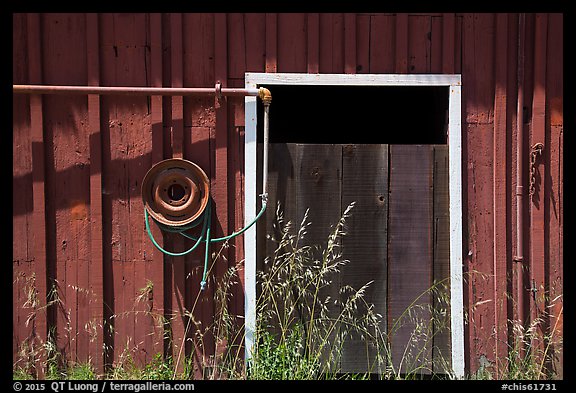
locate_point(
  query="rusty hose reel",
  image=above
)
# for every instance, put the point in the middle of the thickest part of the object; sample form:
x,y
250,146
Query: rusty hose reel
x,y
175,193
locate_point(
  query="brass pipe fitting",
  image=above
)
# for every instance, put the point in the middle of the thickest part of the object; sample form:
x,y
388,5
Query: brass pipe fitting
x,y
265,95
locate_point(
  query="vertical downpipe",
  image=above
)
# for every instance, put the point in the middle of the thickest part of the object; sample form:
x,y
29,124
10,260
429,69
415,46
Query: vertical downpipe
x,y
519,257
266,145
266,97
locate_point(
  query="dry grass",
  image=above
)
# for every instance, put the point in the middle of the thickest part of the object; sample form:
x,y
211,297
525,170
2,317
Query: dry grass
x,y
302,326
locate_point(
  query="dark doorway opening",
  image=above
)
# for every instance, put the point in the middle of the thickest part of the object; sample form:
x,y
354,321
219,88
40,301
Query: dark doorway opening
x,y
385,149
357,114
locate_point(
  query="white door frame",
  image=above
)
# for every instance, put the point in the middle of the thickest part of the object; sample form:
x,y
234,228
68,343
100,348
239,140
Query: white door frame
x,y
253,80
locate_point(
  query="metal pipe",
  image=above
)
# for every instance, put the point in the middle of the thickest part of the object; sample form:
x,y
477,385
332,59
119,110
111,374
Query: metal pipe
x,y
519,257
266,98
519,142
264,94
133,90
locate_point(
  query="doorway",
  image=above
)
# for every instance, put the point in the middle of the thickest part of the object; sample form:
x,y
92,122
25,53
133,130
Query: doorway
x,y
382,142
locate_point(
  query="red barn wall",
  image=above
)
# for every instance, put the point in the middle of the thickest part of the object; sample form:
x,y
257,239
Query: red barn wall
x,y
78,161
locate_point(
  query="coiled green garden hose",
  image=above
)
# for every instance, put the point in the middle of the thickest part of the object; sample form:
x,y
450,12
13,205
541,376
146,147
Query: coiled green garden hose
x,y
205,233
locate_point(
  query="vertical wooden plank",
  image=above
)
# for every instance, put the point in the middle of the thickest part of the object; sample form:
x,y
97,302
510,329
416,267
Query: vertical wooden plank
x,y
480,243
220,184
478,64
113,264
306,176
500,186
22,196
66,123
255,30
325,43
448,43
106,71
126,143
410,257
419,42
529,79
281,193
292,34
81,213
236,196
219,188
201,302
236,45
198,43
176,73
282,183
362,44
178,307
337,42
349,43
139,153
96,290
441,354
313,43
436,44
382,44
58,267
554,70
468,67
555,275
554,186
458,39
38,220
318,175
478,60
271,42
538,263
155,267
199,53
401,47
365,182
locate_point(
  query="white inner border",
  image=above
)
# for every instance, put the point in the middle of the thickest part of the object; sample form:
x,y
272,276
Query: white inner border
x,y
253,80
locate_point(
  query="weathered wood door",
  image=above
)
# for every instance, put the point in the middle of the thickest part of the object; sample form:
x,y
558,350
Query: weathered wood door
x,y
397,237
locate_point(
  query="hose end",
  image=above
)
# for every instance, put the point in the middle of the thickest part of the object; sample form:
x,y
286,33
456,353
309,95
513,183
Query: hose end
x,y
202,285
265,95
264,197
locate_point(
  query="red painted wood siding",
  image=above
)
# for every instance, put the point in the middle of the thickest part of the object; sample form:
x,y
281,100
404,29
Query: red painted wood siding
x,y
78,161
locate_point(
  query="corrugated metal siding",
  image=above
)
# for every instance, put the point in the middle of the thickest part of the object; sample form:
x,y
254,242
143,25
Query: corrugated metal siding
x,y
78,161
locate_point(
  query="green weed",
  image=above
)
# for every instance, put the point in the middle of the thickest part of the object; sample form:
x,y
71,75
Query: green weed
x,y
304,323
